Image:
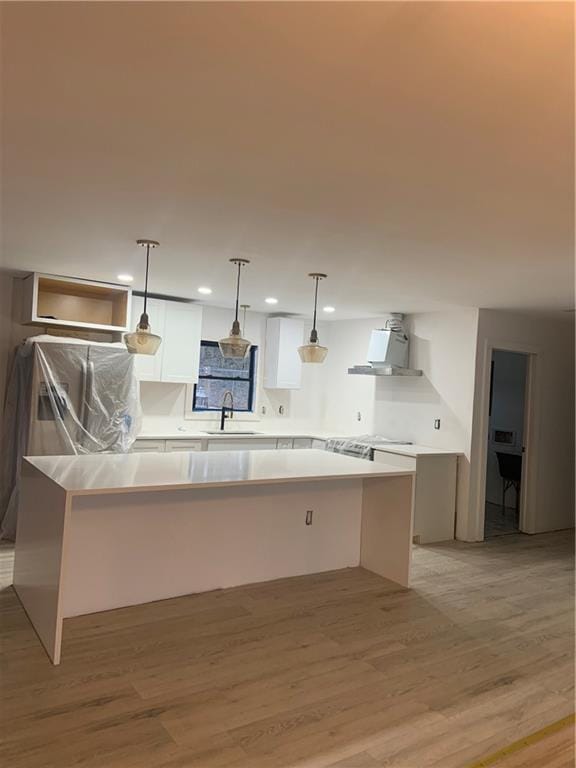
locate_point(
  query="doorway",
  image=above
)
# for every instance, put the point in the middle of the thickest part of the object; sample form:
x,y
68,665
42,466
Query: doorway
x,y
506,443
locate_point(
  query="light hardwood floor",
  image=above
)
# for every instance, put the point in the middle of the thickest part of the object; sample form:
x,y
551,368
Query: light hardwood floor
x,y
342,669
553,751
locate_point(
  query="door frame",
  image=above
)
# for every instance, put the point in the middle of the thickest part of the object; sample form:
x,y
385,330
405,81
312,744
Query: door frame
x,y
527,523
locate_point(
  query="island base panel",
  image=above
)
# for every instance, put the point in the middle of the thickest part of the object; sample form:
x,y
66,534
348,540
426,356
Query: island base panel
x,y
125,549
39,552
387,523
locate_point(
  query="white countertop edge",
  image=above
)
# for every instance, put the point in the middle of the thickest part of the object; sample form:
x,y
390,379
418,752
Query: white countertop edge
x,y
394,472
371,471
231,434
415,451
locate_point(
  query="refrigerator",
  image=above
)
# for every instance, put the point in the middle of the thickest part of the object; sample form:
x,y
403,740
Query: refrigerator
x,y
65,397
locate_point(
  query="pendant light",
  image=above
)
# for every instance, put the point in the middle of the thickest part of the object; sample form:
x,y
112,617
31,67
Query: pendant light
x,y
142,341
313,352
234,345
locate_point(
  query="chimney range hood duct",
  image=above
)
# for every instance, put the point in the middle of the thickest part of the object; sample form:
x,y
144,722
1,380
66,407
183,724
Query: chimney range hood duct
x,y
387,351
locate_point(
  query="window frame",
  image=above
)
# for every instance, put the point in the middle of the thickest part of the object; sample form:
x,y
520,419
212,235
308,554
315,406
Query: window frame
x,y
250,380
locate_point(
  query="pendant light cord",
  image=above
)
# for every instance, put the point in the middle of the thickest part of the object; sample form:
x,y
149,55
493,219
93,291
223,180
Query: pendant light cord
x,y
146,280
315,302
238,289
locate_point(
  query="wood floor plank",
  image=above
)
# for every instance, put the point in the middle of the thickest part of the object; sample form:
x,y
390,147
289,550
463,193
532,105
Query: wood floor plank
x,y
334,670
554,751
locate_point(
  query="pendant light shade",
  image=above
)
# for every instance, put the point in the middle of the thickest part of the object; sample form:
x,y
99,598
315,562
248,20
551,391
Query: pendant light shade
x,y
234,346
142,341
313,352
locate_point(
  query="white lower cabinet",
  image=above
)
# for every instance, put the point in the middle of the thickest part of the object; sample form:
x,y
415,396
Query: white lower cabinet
x,y
435,493
151,445
148,446
183,445
235,444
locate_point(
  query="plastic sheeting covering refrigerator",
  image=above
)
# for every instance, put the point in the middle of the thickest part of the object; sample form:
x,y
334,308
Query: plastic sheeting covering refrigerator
x,y
65,398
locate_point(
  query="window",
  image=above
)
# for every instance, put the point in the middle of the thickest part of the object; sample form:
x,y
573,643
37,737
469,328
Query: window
x,y
217,374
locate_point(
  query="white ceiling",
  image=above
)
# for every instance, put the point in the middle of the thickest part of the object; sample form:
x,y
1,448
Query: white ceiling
x,y
419,153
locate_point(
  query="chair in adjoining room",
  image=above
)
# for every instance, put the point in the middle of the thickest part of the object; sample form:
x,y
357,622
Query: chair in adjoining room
x,y
510,468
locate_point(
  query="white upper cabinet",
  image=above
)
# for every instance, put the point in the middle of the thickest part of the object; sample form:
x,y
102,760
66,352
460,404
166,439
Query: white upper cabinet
x,y
282,364
180,326
149,367
181,342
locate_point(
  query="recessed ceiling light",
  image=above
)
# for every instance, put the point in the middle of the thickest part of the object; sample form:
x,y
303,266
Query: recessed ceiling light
x,y
205,290
271,300
329,309
125,278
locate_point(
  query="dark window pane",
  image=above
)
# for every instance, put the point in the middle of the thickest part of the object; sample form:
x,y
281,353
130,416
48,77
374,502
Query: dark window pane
x,y
213,364
218,374
210,393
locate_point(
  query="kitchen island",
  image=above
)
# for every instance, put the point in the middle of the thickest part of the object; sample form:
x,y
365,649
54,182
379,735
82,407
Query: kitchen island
x,y
98,532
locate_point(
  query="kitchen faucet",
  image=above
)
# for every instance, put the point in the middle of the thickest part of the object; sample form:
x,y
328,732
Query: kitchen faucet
x,y
223,416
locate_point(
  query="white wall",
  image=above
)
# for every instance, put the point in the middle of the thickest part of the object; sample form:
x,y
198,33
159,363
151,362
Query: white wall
x,y
344,395
443,346
165,406
508,390
549,459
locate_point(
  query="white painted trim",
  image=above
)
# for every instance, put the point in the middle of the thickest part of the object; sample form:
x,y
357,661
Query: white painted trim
x,y
531,430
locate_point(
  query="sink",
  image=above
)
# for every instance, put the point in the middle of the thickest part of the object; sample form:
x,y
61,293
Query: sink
x,y
231,432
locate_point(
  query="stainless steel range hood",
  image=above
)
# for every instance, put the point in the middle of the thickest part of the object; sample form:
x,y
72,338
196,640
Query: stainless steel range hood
x,y
387,351
383,370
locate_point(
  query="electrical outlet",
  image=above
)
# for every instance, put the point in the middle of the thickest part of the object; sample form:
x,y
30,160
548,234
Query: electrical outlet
x,y
309,514
263,409
358,416
436,423
281,410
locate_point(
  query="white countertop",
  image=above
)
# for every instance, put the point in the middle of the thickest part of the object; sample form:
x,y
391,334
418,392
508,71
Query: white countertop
x,y
231,432
417,450
403,450
131,472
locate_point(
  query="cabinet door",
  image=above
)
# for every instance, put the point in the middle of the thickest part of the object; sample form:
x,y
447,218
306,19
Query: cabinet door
x,y
183,445
148,446
237,444
149,367
282,364
181,342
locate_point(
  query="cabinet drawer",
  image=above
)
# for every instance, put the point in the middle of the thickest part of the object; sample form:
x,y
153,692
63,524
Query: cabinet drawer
x,y
395,460
302,442
284,442
183,445
247,444
149,446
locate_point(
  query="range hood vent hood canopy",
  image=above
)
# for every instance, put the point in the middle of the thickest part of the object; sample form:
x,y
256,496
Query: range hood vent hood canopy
x,y
387,351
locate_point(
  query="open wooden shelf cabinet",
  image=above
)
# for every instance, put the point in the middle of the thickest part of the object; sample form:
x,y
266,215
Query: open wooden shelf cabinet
x,y
50,300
